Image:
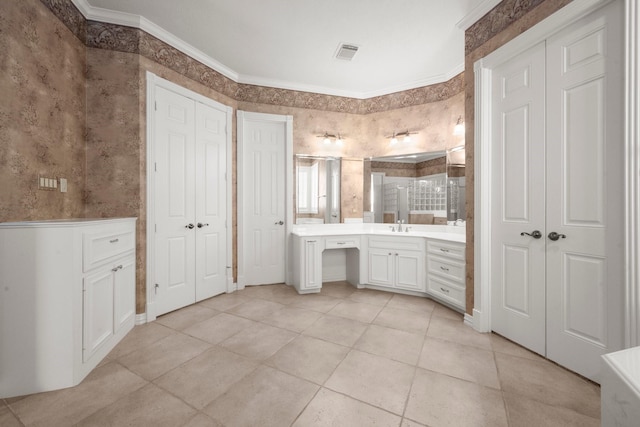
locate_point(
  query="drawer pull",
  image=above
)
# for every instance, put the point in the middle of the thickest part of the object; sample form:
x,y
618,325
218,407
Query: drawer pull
x,y
446,291
114,241
117,268
444,268
311,241
341,243
444,250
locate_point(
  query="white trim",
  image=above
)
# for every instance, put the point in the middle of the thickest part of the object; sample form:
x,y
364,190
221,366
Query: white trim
x,y
288,183
468,320
140,22
141,319
476,13
136,21
482,150
154,81
632,173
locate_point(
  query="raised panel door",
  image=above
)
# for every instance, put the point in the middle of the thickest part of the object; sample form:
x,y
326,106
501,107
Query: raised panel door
x,y
97,322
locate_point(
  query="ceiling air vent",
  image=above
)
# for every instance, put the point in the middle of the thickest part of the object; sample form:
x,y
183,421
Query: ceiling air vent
x,y
346,51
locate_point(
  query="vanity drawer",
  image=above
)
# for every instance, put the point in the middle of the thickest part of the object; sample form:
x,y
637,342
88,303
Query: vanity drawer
x,y
450,269
101,246
446,249
338,242
449,292
399,242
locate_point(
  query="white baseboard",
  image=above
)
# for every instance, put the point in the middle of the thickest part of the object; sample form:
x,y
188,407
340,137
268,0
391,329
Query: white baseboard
x,y
141,319
468,320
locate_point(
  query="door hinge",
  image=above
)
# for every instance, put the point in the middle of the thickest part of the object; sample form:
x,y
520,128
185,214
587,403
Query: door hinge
x,y
155,228
156,288
155,105
155,166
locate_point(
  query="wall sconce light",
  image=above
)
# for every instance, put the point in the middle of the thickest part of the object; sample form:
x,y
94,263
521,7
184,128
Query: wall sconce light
x,y
406,134
328,137
458,130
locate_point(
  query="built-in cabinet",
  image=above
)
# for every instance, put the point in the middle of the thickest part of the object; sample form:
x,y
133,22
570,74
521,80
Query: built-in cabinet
x,y
446,271
68,297
399,262
396,262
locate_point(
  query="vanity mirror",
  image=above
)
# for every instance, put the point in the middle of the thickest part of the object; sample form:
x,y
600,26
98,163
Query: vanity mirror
x,y
317,195
419,188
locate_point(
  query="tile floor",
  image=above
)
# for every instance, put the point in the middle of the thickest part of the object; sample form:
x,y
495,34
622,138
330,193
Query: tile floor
x,y
266,356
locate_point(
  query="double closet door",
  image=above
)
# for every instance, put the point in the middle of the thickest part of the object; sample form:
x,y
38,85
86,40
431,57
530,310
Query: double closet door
x,y
190,200
557,194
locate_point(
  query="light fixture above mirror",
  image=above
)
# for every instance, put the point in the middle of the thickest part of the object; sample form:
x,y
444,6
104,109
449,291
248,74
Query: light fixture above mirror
x,y
406,137
328,138
458,129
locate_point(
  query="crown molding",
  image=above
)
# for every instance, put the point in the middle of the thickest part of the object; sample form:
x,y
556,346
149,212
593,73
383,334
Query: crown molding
x,y
136,21
140,22
476,13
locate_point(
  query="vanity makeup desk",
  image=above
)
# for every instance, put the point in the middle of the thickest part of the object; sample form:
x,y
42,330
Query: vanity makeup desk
x,y
426,260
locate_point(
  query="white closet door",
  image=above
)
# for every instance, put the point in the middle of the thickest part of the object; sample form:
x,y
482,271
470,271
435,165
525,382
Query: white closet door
x,y
264,200
584,192
174,200
210,184
518,291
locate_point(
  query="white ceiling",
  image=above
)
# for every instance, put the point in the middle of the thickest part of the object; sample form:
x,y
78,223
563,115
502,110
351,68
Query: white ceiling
x,y
292,43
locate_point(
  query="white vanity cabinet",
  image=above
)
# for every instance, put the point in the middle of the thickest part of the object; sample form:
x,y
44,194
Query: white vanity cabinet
x,y
446,272
396,262
307,268
67,297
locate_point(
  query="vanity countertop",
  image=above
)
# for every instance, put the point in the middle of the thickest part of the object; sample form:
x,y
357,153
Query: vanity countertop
x,y
441,232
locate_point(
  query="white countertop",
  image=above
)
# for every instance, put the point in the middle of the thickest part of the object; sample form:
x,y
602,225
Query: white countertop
x,y
63,222
627,363
441,232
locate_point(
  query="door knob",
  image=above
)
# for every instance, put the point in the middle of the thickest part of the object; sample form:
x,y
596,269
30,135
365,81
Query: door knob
x,y
200,225
536,234
189,226
555,236
279,223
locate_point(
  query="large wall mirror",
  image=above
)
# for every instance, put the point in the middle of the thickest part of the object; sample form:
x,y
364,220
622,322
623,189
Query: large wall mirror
x,y
317,196
419,188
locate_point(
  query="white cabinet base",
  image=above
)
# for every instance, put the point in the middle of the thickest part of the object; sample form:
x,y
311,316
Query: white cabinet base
x,y
65,302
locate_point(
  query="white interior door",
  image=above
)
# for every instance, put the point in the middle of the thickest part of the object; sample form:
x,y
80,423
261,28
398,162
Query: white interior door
x,y
190,198
578,258
518,205
210,202
585,176
174,200
263,198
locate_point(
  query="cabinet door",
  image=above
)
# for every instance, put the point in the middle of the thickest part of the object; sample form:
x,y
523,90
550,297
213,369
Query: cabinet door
x,y
97,322
410,271
124,283
312,264
381,267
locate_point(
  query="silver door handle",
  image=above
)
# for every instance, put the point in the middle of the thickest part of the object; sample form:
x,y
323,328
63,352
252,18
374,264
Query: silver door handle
x,y
200,225
536,234
279,223
189,226
555,236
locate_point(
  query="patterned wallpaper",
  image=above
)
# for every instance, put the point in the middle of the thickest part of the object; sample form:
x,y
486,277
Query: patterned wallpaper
x,y
42,114
132,40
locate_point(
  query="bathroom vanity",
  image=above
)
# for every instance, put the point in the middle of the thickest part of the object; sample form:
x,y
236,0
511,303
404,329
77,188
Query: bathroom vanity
x,y
427,260
67,297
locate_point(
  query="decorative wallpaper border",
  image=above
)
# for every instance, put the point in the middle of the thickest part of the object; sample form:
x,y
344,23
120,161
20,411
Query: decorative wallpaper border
x,y
120,38
506,13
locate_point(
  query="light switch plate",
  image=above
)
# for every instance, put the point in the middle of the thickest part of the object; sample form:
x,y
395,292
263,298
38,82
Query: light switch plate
x,y
63,185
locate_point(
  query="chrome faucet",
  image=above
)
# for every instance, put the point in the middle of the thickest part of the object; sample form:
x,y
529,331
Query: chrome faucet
x,y
400,222
459,222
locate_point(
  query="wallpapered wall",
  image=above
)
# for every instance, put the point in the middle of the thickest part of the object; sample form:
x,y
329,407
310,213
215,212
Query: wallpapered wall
x,y
42,114
48,111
